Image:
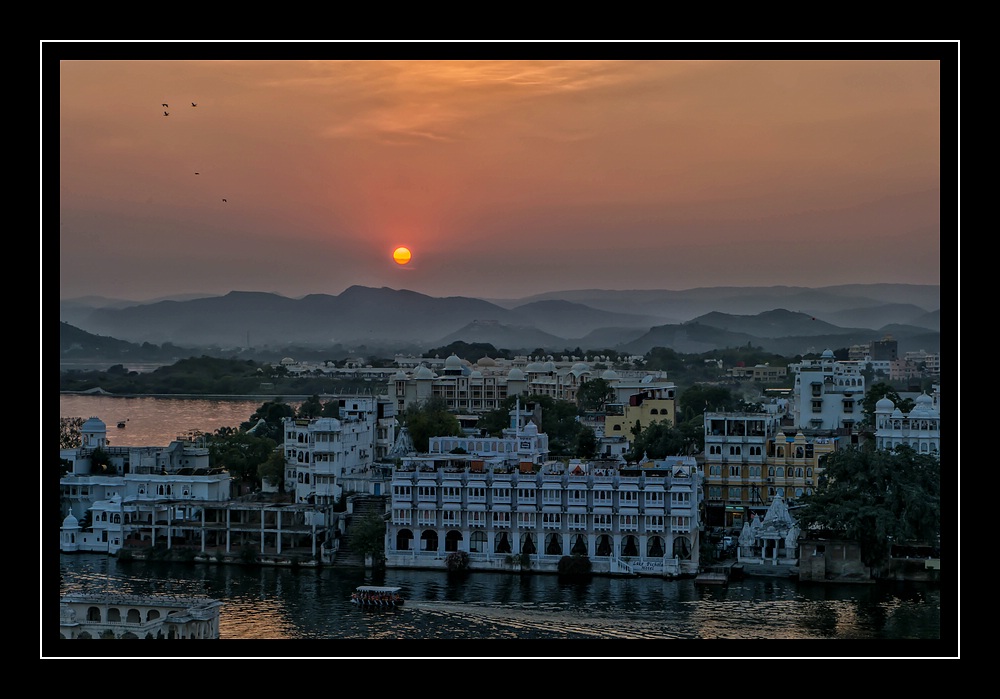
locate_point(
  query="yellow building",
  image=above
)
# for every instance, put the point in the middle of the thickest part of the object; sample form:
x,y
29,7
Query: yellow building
x,y
645,406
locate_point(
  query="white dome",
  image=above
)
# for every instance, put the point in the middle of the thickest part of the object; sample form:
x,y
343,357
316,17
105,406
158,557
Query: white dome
x,y
476,374
609,375
549,366
94,424
486,361
884,404
515,374
70,521
400,375
423,373
530,430
453,362
828,354
581,366
534,367
287,360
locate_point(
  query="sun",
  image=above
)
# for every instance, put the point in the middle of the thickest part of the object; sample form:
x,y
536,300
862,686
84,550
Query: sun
x,y
401,255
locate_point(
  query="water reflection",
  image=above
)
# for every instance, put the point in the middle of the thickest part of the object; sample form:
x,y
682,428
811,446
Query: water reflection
x,y
310,604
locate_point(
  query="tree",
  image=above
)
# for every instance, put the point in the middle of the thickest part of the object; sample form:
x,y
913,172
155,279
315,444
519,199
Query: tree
x,y
311,407
273,470
586,443
876,393
595,394
70,432
240,453
698,398
430,418
875,496
657,441
272,413
368,536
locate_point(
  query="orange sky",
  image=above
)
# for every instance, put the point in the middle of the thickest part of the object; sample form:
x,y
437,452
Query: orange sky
x,y
505,178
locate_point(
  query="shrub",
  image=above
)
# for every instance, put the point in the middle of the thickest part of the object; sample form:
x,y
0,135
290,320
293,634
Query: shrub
x,y
575,565
457,561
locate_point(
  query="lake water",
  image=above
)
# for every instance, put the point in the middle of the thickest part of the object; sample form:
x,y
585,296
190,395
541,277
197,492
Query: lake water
x,y
310,605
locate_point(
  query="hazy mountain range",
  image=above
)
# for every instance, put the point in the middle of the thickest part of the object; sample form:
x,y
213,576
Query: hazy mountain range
x,y
780,319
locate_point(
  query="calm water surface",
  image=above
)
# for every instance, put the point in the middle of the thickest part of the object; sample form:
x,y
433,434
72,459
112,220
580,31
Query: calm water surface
x,y
313,604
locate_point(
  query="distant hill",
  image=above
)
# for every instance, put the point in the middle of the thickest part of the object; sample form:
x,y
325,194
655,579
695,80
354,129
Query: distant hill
x,y
714,317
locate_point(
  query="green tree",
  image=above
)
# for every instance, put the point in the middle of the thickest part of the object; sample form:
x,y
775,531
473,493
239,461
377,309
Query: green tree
x,y
876,393
657,441
272,413
698,398
70,436
273,470
240,453
595,394
311,407
875,496
368,536
586,443
430,418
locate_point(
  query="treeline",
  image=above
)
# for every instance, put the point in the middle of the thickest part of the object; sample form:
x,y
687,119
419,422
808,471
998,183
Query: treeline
x,y
212,376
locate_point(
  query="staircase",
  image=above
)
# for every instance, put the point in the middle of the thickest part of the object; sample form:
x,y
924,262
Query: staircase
x,y
362,505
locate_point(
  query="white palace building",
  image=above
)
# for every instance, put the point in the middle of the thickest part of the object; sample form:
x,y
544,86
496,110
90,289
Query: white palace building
x,y
505,505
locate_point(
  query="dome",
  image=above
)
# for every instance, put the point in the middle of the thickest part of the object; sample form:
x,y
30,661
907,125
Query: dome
x,y
70,521
287,360
475,374
400,376
530,429
486,361
515,374
884,405
581,366
828,354
453,362
94,424
548,366
534,367
610,375
423,373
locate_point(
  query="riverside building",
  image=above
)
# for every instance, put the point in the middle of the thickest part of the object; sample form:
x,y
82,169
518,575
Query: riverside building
x,y
505,506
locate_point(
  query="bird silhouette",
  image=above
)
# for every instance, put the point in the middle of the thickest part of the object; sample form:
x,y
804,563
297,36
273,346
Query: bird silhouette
x,y
165,105
166,113
194,104
224,200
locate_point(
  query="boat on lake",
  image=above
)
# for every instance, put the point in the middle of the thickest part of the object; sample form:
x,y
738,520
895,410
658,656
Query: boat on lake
x,y
121,423
377,597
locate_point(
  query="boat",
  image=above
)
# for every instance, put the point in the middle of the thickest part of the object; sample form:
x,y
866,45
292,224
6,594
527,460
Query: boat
x,y
377,597
121,423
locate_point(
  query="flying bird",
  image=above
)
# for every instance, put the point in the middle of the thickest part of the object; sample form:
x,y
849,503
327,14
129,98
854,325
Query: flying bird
x,y
166,113
165,105
224,200
194,104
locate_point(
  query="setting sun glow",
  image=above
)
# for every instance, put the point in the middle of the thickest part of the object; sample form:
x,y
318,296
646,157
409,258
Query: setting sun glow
x,y
401,255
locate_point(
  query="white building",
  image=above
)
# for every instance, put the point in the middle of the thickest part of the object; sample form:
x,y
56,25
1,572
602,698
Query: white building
x,y
639,519
827,394
142,497
107,616
319,452
919,429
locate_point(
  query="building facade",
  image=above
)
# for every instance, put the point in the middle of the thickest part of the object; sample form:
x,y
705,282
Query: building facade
x,y
504,510
135,616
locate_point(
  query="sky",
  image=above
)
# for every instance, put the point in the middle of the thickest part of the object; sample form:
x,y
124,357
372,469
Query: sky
x,y
298,169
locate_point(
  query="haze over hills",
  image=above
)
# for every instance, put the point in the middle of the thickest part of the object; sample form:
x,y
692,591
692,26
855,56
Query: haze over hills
x,y
696,320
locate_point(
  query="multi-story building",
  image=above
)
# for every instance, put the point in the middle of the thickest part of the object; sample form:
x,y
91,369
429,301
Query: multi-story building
x,y
827,394
504,510
485,386
643,407
320,451
919,429
149,496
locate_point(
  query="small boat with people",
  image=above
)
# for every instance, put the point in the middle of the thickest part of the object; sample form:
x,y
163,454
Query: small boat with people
x,y
377,597
121,423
